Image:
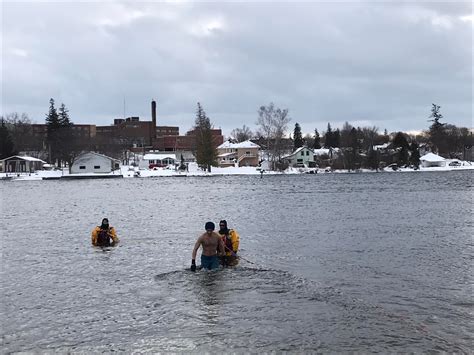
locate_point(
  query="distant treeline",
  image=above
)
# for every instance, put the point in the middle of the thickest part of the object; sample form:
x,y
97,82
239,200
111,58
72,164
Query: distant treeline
x,y
350,147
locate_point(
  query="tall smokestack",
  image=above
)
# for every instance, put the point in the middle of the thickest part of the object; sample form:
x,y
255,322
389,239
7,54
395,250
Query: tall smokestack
x,y
153,117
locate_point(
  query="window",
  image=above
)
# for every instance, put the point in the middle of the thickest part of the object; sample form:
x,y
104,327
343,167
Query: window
x,y
96,166
302,153
307,153
82,167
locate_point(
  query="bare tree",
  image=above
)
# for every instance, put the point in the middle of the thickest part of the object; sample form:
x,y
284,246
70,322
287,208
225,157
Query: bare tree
x,y
7,147
265,123
346,135
241,134
369,137
20,130
273,123
309,140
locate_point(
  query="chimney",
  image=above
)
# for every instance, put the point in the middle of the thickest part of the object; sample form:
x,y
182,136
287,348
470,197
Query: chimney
x,y
153,117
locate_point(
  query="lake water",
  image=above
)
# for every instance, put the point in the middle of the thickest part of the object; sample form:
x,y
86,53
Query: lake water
x,y
330,263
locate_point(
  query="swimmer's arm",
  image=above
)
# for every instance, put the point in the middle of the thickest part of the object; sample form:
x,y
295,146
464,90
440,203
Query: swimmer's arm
x,y
221,246
196,247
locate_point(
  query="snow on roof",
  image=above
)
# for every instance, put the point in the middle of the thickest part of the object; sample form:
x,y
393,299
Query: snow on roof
x,y
81,156
245,144
225,155
432,157
226,144
297,151
27,158
381,146
300,149
154,156
324,151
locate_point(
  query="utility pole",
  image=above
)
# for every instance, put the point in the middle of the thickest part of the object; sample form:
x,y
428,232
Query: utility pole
x,y
124,108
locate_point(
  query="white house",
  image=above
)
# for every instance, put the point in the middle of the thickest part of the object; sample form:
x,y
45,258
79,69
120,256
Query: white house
x,y
301,157
21,164
152,160
92,162
430,160
238,154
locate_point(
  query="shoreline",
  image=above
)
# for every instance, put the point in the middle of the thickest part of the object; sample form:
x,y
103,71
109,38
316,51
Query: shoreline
x,y
133,172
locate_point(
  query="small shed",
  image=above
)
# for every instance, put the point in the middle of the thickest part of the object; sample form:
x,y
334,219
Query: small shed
x,y
92,162
432,160
21,164
157,160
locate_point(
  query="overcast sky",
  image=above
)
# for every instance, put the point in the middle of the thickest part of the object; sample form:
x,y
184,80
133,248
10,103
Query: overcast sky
x,y
367,63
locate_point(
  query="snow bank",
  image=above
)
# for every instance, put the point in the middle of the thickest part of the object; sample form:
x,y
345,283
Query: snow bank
x,y
194,170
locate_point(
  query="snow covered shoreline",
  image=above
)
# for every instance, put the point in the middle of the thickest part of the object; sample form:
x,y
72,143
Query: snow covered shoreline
x,y
135,172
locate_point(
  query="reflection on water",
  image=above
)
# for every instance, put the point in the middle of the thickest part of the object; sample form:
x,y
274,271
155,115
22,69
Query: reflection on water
x,y
362,262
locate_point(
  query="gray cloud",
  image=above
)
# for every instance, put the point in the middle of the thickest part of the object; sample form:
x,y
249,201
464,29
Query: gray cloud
x,y
367,63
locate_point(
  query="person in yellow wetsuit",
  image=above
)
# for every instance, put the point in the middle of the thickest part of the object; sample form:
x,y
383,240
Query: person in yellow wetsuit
x,y
104,235
231,240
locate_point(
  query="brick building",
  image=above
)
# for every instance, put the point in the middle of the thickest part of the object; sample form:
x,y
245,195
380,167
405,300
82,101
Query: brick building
x,y
130,133
84,132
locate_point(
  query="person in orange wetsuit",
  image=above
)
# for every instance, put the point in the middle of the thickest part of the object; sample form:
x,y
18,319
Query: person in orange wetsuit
x,y
231,240
104,235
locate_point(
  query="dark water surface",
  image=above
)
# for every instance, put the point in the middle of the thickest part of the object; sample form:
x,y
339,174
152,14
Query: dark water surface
x,y
333,263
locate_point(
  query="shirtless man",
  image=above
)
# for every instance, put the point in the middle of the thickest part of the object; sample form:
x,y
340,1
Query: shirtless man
x,y
210,241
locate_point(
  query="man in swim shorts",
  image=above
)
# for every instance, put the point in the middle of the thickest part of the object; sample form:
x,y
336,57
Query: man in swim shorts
x,y
211,243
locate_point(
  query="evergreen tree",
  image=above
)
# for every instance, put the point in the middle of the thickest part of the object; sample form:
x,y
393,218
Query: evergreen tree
x,y
298,140
436,115
63,117
437,130
328,138
205,152
354,148
400,140
373,159
332,139
337,138
403,156
53,126
414,155
317,140
401,144
68,144
7,148
182,165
